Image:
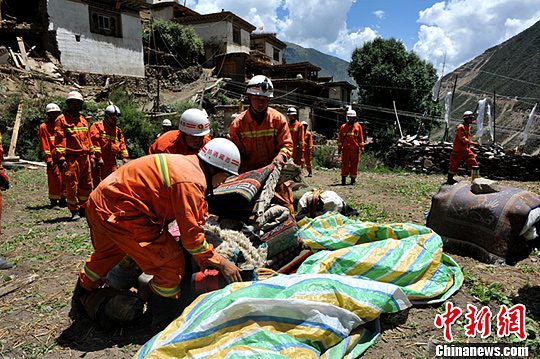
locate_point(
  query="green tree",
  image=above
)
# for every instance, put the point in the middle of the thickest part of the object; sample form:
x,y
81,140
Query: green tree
x,y
385,71
181,43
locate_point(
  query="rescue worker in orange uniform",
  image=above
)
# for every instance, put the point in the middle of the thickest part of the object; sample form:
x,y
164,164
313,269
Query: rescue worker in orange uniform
x,y
350,143
4,185
57,192
73,150
129,213
107,143
192,134
166,126
461,150
262,134
308,149
297,135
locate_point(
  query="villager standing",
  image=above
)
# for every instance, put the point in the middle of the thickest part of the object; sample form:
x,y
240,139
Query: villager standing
x,y
262,134
107,143
129,213
461,150
57,190
350,143
4,185
73,148
191,136
297,135
166,126
308,149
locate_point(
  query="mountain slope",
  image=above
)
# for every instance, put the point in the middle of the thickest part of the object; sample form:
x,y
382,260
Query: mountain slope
x,y
511,70
330,65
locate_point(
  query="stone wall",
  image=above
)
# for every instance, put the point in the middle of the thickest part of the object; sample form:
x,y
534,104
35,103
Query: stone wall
x,y
421,156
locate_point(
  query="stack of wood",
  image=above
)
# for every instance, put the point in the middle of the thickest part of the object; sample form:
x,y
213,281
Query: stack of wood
x,y
419,155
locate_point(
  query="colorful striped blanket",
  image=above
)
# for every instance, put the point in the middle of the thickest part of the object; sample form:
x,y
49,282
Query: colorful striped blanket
x,y
329,309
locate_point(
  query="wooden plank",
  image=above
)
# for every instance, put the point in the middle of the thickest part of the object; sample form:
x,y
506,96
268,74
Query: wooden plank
x,y
14,58
11,287
22,50
15,133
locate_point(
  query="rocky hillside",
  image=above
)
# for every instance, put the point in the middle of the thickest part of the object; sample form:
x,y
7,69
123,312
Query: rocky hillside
x,y
511,70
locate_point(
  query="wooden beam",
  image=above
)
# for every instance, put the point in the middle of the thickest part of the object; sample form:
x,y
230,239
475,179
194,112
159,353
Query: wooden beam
x,y
15,133
22,50
11,287
14,58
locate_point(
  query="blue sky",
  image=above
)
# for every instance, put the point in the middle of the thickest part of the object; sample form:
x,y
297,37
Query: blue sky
x,y
463,29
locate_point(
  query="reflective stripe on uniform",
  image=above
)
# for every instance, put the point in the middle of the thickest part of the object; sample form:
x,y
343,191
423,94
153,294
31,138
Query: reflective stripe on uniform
x,y
260,133
61,149
163,291
91,275
161,162
203,247
109,137
77,129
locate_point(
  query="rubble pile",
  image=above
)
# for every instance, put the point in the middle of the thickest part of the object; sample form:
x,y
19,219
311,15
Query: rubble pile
x,y
419,155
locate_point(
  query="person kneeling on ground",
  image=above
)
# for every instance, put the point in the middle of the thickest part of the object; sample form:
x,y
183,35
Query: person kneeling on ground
x,y
129,213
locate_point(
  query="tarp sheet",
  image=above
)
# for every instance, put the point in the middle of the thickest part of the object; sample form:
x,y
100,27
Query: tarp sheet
x,y
330,309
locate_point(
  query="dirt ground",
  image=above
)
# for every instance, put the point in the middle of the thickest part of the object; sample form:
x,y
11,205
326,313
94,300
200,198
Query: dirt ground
x,y
49,251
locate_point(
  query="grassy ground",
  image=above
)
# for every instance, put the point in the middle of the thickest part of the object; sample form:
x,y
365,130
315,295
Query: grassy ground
x,y
46,247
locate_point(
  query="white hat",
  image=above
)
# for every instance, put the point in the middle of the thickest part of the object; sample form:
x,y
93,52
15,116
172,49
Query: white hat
x,y
112,110
194,122
74,95
221,153
291,111
52,107
166,122
260,85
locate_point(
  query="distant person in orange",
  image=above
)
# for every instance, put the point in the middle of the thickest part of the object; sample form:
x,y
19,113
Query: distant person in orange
x,y
193,133
107,143
73,150
4,185
297,135
308,149
350,143
166,126
57,191
129,213
262,134
461,150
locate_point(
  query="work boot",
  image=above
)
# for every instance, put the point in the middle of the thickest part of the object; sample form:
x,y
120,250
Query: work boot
x,y
343,181
309,174
54,204
77,307
4,263
353,180
75,216
451,179
82,212
164,311
62,203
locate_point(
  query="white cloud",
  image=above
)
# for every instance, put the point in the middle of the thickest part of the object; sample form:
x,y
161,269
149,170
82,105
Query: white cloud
x,y
466,28
379,14
300,21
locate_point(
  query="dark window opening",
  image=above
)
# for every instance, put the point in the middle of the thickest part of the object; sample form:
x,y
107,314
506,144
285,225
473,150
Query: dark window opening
x,y
276,54
105,22
236,35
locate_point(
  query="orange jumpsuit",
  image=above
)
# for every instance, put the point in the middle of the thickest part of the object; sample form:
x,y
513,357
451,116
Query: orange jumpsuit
x,y
259,144
72,144
54,173
173,142
461,149
107,142
308,150
129,213
350,142
297,135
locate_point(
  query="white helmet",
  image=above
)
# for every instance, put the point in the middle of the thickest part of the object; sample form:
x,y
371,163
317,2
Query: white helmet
x,y
468,114
74,95
221,153
234,115
112,110
194,122
52,107
260,85
351,113
304,123
166,123
291,111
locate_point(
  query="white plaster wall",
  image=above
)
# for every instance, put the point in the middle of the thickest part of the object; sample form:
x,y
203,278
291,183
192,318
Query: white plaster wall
x,y
221,33
95,53
269,50
165,13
